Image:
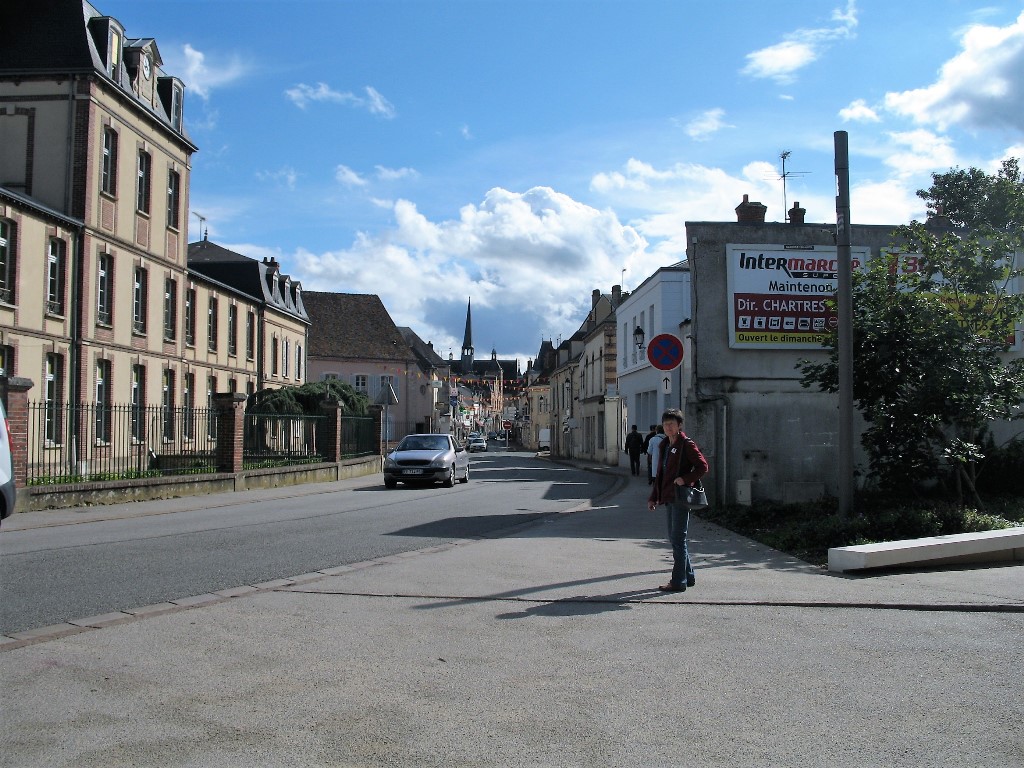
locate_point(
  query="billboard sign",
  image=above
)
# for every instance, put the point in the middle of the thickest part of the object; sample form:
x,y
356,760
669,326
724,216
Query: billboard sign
x,y
778,294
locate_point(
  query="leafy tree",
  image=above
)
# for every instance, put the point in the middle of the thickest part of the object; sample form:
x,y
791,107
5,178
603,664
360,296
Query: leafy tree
x,y
307,399
930,332
972,198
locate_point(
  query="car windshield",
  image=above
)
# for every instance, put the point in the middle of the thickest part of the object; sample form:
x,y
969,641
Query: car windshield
x,y
424,443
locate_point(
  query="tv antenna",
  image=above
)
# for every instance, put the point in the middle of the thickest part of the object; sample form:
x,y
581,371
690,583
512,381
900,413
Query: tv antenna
x,y
785,175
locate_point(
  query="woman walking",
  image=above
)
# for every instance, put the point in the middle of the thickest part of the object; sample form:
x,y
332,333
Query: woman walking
x,y
679,463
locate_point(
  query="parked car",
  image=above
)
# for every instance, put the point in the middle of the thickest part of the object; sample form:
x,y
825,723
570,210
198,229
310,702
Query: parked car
x,y
427,458
476,444
8,493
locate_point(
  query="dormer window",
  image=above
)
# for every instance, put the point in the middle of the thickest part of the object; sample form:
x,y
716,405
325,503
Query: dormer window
x,y
172,96
114,53
177,102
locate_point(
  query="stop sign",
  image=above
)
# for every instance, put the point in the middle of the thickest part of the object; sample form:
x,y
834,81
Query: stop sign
x,y
506,425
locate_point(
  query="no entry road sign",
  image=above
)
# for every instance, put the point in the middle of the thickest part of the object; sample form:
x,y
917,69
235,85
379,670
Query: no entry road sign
x,y
665,352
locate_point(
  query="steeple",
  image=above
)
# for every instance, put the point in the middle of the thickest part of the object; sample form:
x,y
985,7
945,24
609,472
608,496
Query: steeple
x,y
467,342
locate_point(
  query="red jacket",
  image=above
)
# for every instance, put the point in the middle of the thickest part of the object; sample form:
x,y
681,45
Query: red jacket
x,y
691,468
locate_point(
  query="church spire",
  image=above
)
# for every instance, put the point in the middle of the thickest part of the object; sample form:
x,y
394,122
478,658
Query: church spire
x,y
467,342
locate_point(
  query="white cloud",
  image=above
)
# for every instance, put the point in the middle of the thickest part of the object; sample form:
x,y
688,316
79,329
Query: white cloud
x,y
345,175
393,174
860,112
981,86
536,254
200,79
781,61
465,132
287,176
920,152
707,123
302,95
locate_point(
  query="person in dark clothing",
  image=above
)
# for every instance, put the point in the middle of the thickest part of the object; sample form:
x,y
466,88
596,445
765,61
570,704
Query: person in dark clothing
x,y
647,450
679,463
634,447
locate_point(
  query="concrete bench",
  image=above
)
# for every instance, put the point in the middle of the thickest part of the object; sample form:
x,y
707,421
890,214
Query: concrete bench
x,y
983,546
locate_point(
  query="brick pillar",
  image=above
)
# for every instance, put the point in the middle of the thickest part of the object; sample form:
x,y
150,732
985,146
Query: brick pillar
x,y
331,436
750,213
17,417
230,407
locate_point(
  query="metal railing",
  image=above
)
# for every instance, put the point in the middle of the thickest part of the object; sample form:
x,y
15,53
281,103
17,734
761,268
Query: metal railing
x,y
358,437
273,440
73,443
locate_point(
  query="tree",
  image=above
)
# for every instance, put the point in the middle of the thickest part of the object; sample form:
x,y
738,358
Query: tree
x,y
307,398
932,321
972,198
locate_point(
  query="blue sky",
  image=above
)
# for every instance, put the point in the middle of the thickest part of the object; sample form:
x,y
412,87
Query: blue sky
x,y
525,152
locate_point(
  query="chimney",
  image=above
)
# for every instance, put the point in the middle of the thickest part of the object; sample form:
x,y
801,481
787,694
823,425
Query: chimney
x,y
750,213
938,221
594,298
616,295
796,213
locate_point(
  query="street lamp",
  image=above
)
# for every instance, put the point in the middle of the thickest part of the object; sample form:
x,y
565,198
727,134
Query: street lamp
x,y
638,337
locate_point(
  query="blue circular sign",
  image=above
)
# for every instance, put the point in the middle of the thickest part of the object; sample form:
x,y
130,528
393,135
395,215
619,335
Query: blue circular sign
x,y
665,352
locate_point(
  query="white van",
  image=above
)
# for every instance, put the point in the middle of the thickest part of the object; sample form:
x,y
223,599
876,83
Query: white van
x,y
7,490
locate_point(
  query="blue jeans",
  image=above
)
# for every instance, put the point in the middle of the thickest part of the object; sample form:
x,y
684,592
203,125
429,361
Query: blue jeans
x,y
678,520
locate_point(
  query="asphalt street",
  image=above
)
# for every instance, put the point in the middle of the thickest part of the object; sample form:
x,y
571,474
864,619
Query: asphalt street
x,y
547,646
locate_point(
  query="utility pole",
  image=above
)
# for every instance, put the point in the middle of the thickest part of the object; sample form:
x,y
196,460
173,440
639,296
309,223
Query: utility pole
x,y
845,308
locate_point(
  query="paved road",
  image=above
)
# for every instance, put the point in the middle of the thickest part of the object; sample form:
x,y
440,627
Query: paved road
x,y
143,553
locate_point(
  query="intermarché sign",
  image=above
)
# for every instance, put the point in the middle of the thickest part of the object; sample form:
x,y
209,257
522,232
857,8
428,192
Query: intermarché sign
x,y
779,294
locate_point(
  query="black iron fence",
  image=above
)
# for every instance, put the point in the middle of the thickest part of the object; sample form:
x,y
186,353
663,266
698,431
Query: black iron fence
x,y
70,443
274,440
74,443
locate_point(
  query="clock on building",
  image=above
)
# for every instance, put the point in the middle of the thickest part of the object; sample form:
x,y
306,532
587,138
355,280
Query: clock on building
x,y
145,66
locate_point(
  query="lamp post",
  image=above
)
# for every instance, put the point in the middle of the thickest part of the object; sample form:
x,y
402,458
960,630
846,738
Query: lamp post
x,y
638,337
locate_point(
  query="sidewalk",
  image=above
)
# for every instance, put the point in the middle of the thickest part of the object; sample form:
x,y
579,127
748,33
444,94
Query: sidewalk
x,y
550,646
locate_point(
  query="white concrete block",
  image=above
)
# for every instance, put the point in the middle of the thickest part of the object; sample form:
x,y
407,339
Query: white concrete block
x,y
1006,544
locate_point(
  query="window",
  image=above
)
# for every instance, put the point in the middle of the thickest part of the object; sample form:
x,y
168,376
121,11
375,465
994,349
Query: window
x,y
6,261
177,105
114,55
250,335
104,283
273,357
211,326
286,356
167,404
233,329
102,412
188,403
190,316
170,309
360,383
138,421
145,172
53,391
298,361
108,168
140,300
55,261
173,199
6,360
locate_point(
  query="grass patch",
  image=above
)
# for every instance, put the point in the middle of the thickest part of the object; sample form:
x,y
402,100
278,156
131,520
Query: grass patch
x,y
807,531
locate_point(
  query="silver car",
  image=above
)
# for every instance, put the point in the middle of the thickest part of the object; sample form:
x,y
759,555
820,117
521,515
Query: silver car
x,y
427,458
7,490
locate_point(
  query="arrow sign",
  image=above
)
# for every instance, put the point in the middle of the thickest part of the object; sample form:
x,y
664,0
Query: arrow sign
x,y
665,352
666,385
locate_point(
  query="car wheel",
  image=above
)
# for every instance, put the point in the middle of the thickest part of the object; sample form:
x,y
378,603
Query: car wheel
x,y
389,483
449,482
465,477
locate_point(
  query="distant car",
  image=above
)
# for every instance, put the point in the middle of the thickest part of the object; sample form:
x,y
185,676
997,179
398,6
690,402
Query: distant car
x,y
427,458
492,435
473,434
476,444
8,493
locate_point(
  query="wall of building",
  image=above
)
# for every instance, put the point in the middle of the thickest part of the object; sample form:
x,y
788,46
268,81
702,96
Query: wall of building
x,y
748,411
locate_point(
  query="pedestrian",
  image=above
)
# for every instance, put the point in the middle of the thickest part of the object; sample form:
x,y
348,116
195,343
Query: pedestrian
x,y
647,442
652,452
634,447
679,463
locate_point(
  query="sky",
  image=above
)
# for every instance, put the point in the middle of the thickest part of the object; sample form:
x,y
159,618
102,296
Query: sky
x,y
524,152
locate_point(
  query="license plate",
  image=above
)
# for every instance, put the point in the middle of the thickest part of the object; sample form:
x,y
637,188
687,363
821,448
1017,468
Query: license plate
x,y
413,472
